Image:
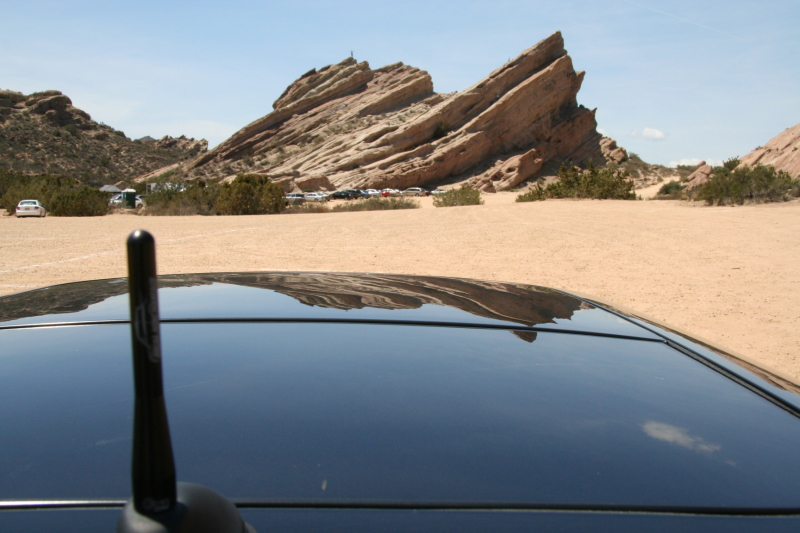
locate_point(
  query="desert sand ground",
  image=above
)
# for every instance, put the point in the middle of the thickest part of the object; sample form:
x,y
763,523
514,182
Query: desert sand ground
x,y
730,275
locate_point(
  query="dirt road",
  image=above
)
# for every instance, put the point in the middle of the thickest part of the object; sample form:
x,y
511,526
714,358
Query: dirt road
x,y
731,275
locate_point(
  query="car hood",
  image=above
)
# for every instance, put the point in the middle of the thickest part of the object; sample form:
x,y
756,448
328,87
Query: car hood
x,y
319,387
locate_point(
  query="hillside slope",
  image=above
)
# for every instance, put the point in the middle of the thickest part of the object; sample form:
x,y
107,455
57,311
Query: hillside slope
x,y
43,133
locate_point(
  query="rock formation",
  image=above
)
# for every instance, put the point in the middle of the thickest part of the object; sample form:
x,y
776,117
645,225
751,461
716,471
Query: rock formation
x,y
699,176
351,126
44,133
782,152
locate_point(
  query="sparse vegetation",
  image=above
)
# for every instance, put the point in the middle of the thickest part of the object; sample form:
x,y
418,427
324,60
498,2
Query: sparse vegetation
x,y
730,184
441,130
307,208
82,201
465,195
250,194
379,204
602,184
672,190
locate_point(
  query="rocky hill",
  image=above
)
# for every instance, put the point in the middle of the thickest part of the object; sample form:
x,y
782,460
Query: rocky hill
x,y
347,125
782,152
43,133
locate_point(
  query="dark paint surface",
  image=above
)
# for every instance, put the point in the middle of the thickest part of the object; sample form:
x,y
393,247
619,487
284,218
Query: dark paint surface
x,y
315,295
348,412
349,521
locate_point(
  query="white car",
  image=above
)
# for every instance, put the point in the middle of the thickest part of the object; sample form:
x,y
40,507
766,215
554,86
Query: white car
x,y
315,197
30,208
414,191
372,193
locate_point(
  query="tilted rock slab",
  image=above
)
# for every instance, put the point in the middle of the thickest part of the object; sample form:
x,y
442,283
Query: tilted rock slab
x,y
699,177
362,128
782,152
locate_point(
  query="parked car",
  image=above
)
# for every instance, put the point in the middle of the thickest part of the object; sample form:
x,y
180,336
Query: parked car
x,y
373,193
485,406
139,201
414,191
315,197
295,198
115,201
346,194
438,191
30,208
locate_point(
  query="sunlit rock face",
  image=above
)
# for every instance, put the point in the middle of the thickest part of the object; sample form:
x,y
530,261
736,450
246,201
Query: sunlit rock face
x,y
782,152
363,128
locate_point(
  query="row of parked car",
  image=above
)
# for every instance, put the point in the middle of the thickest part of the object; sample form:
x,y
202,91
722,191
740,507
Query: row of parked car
x,y
356,194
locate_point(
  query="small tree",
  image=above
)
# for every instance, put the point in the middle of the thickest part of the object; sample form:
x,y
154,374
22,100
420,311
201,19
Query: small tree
x,y
250,194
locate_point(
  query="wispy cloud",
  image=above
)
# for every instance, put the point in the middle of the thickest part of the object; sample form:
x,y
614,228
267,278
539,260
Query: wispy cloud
x,y
650,134
679,437
687,21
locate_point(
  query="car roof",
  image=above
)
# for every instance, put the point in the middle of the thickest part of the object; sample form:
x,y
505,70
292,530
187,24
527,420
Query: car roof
x,y
334,387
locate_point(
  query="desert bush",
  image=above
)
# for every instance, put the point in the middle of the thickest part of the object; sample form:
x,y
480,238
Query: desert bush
x,y
250,194
731,184
673,189
83,201
307,208
465,195
602,184
198,198
535,193
379,204
440,131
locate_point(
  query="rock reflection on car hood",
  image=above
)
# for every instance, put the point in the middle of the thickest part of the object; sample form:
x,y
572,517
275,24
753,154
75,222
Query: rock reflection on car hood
x,y
316,295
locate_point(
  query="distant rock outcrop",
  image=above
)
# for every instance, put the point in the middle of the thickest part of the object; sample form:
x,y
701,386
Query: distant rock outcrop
x,y
363,128
699,176
782,152
44,133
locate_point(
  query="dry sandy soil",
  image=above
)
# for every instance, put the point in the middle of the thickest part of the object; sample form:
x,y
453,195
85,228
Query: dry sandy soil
x,y
730,275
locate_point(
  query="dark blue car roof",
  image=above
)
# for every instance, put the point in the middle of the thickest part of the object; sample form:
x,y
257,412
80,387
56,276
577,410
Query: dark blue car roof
x,y
327,388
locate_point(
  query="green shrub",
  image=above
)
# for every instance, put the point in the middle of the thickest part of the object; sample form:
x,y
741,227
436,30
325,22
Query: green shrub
x,y
673,189
534,194
440,131
465,195
602,184
119,133
379,204
730,184
250,194
83,201
198,198
72,129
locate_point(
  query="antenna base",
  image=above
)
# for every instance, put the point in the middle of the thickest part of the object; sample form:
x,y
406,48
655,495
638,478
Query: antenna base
x,y
199,510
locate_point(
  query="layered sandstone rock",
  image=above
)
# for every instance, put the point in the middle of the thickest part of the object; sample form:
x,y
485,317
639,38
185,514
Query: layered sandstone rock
x,y
699,176
782,152
363,128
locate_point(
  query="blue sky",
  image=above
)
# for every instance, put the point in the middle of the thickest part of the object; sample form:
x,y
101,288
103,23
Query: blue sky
x,y
672,81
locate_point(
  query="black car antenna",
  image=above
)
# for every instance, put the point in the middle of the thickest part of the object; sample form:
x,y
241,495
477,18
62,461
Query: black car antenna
x,y
159,504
